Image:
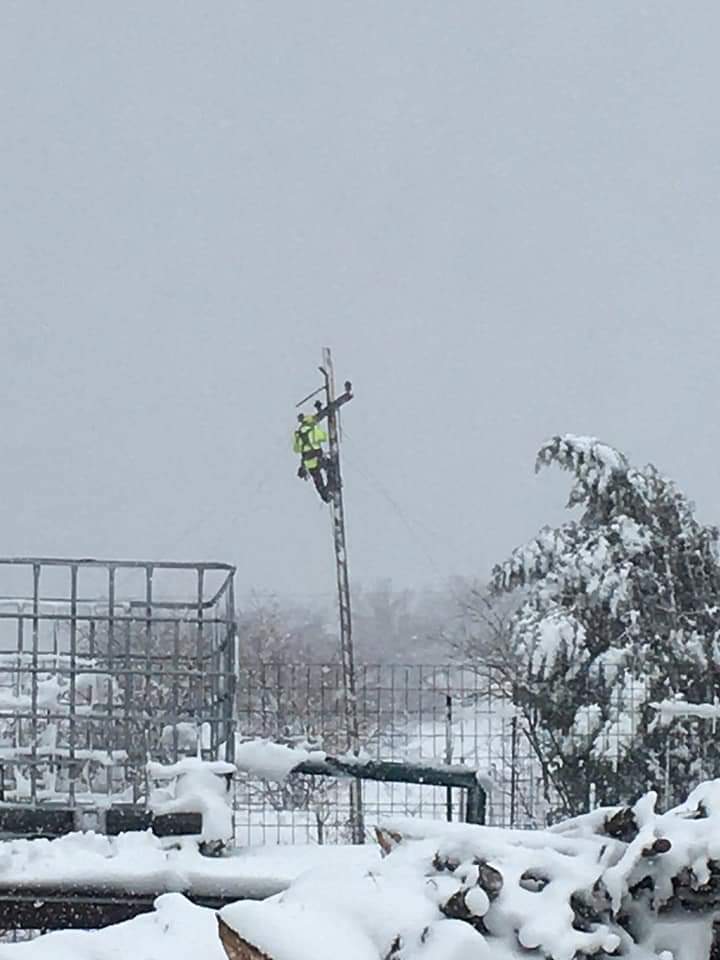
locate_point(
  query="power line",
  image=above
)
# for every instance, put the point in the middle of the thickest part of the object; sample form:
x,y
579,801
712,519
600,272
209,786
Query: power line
x,y
414,527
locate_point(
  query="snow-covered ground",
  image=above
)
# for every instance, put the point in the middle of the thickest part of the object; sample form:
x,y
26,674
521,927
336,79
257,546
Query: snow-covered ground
x,y
627,882
142,863
176,930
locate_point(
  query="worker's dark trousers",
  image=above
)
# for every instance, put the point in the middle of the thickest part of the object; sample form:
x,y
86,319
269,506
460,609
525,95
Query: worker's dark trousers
x,y
320,484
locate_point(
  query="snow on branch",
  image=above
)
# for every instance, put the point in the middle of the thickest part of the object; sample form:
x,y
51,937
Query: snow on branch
x,y
669,710
593,463
616,610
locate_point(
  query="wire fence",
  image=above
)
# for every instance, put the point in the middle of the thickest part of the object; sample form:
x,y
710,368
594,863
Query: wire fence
x,y
408,713
544,752
90,690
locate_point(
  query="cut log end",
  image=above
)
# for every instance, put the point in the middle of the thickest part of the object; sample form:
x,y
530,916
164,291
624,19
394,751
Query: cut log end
x,y
387,840
661,845
489,878
534,880
622,825
235,947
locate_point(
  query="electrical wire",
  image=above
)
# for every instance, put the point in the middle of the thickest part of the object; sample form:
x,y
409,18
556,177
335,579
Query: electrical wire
x,y
414,527
241,486
420,534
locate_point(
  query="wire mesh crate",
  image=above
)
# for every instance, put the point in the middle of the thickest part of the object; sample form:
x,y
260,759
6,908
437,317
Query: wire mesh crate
x,y
105,665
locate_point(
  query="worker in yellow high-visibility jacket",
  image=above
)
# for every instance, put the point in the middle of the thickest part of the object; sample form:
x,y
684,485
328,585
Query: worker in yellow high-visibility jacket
x,y
308,441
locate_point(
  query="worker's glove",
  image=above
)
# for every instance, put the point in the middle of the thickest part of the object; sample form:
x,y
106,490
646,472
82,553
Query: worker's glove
x,y
302,472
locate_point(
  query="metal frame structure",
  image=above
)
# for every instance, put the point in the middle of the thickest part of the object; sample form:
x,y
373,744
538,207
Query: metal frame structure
x,y
105,664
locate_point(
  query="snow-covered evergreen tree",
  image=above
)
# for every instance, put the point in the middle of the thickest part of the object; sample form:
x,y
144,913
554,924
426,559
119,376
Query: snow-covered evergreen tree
x,y
620,610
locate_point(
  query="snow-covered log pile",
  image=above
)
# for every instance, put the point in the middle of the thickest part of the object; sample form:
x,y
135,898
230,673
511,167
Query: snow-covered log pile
x,y
626,882
619,882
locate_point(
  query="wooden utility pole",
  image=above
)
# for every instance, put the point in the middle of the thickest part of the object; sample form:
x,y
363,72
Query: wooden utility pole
x,y
330,411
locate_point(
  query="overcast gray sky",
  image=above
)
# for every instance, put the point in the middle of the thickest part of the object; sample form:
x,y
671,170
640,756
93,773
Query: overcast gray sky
x,y
503,216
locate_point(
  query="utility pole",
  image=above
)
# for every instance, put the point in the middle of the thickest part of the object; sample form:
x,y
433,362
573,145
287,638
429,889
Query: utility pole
x,y
330,411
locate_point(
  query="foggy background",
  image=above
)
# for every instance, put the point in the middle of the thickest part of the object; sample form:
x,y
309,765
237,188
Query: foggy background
x,y
502,216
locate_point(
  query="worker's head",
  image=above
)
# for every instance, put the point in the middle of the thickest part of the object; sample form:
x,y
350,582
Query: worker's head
x,y
301,417
307,418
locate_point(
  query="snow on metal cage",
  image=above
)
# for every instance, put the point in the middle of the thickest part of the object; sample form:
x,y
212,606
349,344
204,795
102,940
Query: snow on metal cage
x,y
105,665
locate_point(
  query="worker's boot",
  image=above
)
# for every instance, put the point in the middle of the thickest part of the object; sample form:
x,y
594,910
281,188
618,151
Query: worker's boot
x,y
320,485
331,482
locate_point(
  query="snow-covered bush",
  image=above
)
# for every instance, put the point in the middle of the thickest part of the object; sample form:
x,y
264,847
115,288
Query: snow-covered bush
x,y
619,611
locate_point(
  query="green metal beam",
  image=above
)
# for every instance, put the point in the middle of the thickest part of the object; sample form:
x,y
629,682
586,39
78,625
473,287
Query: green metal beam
x,y
394,771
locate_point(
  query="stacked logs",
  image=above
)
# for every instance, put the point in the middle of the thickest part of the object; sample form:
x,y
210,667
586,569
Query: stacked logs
x,y
605,876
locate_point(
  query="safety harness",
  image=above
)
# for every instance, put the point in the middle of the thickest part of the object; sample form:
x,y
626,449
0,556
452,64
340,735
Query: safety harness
x,y
308,452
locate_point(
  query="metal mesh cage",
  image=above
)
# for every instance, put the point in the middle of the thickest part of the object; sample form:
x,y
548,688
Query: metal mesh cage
x,y
105,665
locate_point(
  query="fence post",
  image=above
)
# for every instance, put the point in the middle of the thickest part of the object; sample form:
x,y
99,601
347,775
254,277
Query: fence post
x,y
475,805
448,753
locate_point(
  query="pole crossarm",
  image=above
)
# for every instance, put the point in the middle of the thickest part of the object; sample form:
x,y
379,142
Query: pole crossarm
x,y
332,406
